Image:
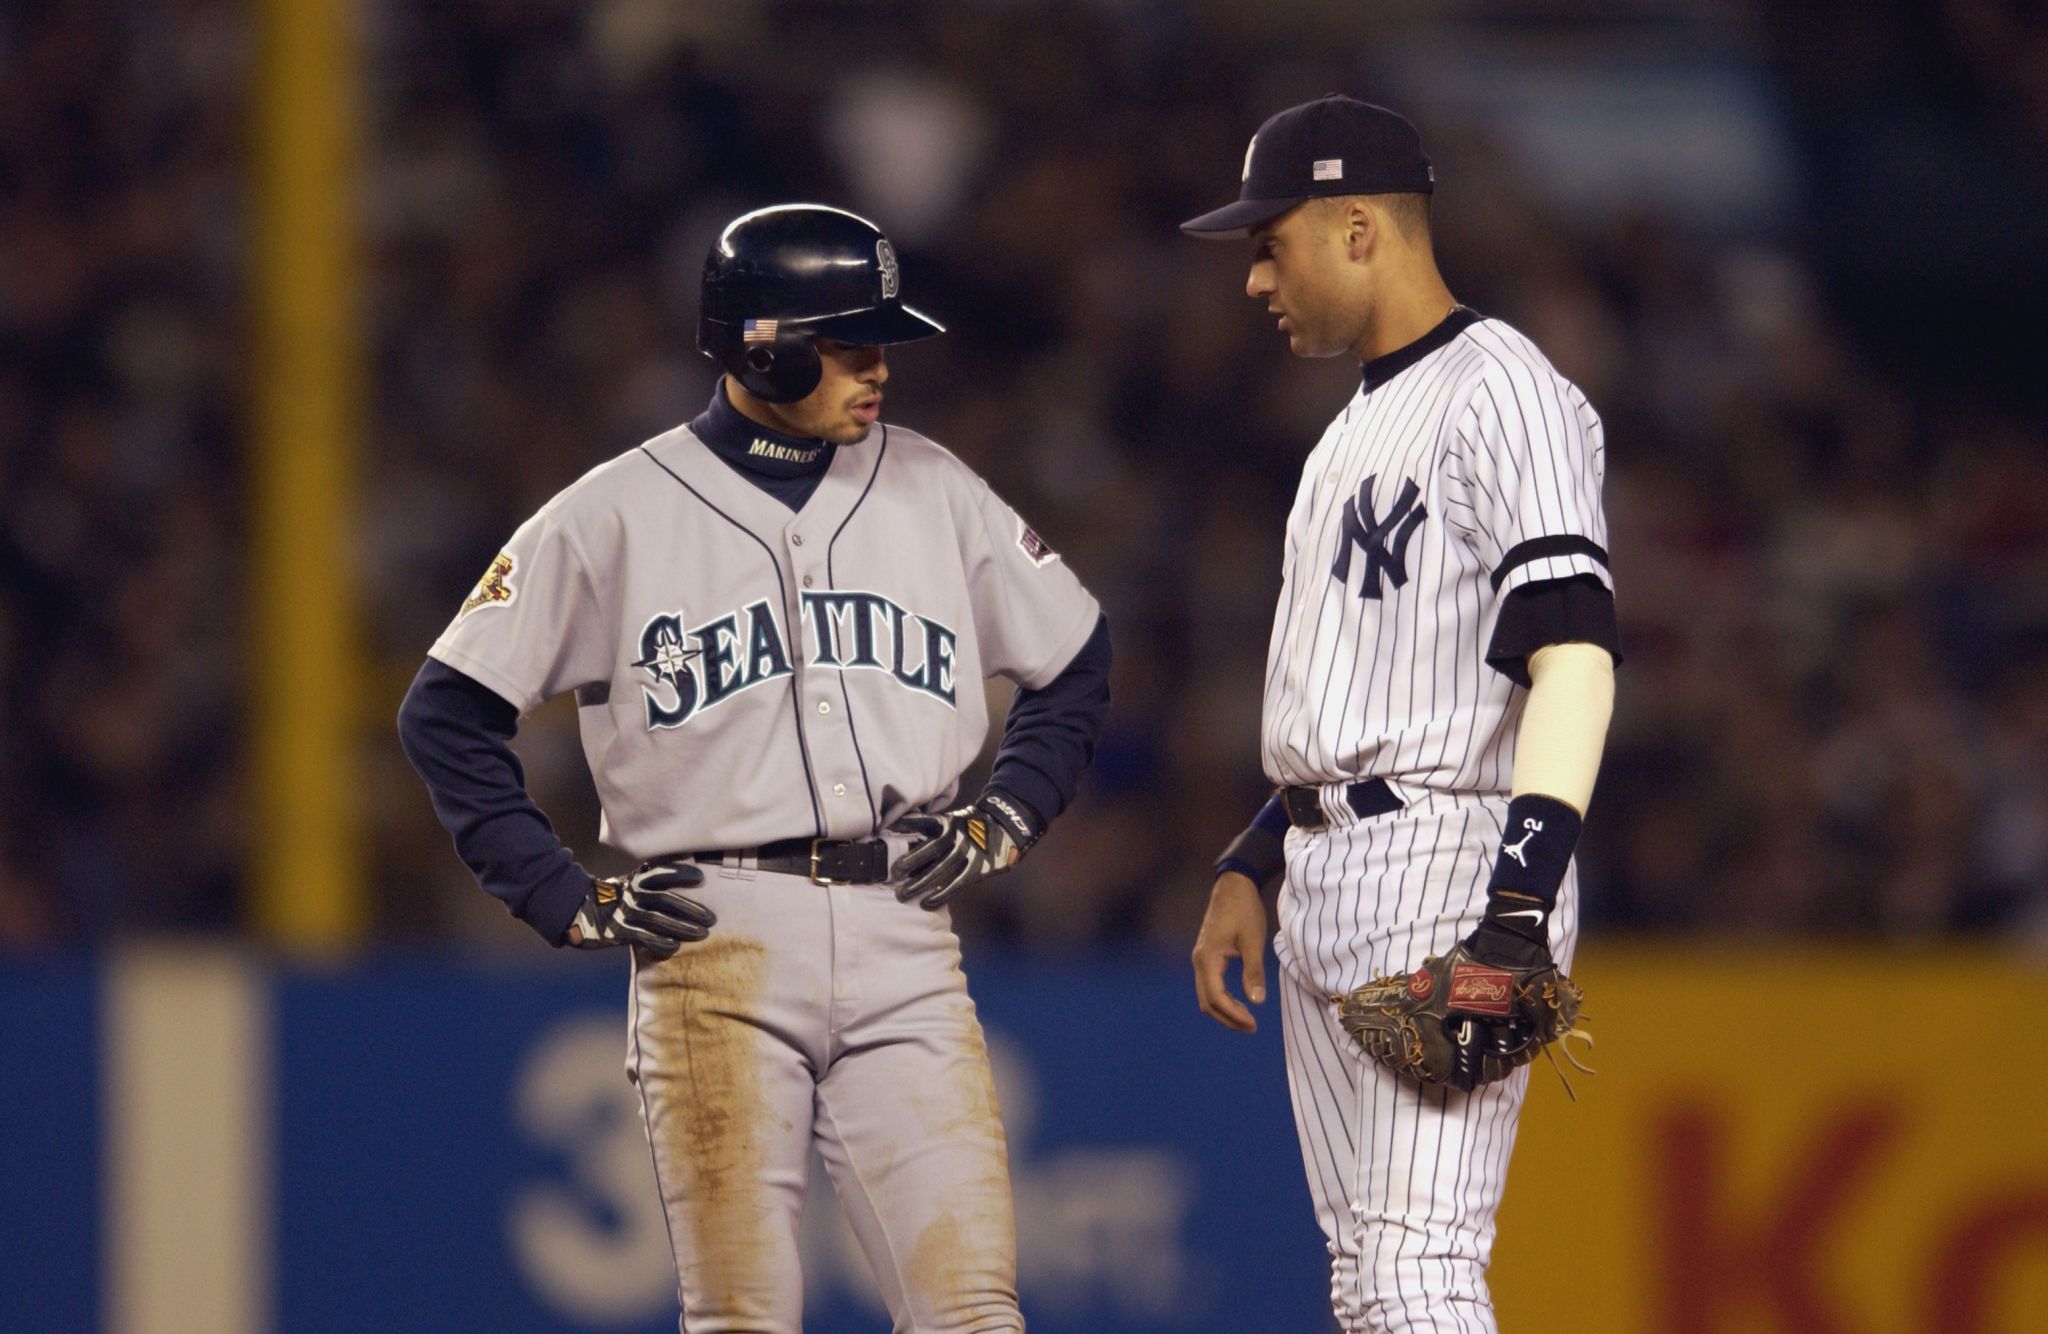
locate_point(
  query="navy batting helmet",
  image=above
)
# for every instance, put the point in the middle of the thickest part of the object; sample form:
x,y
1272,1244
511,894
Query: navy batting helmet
x,y
779,277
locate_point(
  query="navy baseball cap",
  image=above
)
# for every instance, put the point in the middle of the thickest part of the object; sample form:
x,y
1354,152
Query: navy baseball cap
x,y
1335,145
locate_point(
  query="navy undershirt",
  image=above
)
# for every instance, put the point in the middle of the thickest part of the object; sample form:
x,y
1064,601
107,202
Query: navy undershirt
x,y
1049,737
788,467
456,731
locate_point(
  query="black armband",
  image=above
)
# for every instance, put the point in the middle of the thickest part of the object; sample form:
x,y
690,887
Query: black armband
x,y
1259,854
1537,847
1573,610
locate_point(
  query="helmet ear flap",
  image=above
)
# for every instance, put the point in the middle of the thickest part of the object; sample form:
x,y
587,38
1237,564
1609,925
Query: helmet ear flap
x,y
781,370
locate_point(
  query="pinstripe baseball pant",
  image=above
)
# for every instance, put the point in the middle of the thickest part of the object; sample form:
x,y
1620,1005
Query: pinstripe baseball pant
x,y
1406,1180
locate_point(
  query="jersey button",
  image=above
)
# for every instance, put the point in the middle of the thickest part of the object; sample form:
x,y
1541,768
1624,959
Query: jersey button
x,y
807,581
824,706
839,789
797,538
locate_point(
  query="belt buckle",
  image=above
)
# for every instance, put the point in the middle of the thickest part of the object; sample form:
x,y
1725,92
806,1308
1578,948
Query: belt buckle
x,y
1305,809
816,878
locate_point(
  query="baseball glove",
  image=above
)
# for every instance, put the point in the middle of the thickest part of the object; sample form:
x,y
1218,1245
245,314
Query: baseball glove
x,y
1464,1023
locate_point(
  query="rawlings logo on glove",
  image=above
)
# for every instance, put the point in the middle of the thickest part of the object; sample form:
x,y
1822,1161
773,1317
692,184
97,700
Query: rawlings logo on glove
x,y
1477,989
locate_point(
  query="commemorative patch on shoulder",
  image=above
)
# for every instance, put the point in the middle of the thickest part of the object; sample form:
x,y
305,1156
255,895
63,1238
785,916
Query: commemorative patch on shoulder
x,y
1033,545
495,589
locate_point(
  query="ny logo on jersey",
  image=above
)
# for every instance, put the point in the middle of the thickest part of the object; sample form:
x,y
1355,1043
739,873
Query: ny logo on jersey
x,y
1384,540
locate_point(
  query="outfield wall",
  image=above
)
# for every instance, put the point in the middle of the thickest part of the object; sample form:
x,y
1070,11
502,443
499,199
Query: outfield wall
x,y
201,1141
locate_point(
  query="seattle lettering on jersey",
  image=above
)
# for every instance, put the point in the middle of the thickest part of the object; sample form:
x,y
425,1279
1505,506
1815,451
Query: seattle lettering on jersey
x,y
699,668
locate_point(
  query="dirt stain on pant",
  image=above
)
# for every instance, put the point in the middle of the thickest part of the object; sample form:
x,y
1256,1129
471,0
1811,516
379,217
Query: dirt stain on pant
x,y
963,1266
709,1118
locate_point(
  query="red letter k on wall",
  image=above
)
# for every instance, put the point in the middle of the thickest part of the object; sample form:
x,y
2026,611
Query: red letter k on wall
x,y
1719,1262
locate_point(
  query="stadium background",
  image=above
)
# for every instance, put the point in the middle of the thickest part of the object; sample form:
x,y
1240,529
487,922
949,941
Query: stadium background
x,y
305,304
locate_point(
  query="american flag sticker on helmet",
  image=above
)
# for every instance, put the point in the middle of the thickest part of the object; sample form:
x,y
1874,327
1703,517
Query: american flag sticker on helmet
x,y
1328,169
758,331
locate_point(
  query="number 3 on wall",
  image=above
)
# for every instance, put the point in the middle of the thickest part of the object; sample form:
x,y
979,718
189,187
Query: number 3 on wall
x,y
595,1247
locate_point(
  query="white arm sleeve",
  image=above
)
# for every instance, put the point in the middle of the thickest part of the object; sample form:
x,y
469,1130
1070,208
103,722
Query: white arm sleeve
x,y
1564,723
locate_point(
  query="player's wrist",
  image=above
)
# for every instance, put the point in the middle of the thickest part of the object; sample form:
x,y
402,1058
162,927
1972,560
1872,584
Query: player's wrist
x,y
1259,854
585,928
1230,884
1514,933
1255,854
1536,847
1237,868
558,902
1024,825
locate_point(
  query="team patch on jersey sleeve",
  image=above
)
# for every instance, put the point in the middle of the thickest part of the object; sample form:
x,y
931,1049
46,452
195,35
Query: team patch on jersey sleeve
x,y
495,589
1033,545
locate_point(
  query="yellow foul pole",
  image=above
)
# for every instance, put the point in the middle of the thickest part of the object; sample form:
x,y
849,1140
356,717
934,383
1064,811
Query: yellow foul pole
x,y
307,873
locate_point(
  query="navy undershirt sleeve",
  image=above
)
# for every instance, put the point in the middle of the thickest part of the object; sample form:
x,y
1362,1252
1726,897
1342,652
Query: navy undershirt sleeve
x,y
1577,609
455,731
1259,853
1049,737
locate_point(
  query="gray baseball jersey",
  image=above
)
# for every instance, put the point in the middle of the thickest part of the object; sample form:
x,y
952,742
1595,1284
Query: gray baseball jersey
x,y
745,673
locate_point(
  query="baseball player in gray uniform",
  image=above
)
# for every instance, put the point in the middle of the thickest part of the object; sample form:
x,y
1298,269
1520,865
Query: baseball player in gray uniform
x,y
776,622
1437,695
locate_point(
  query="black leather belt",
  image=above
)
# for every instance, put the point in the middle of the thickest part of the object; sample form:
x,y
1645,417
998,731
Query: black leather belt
x,y
1367,799
826,861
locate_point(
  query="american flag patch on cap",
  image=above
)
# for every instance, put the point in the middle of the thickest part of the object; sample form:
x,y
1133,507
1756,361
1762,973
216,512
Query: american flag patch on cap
x,y
758,331
1328,169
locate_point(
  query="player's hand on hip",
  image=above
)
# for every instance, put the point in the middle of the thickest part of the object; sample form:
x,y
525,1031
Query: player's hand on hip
x,y
647,908
959,847
1233,928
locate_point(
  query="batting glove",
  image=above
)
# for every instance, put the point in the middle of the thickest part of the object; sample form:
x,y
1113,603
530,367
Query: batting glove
x,y
960,847
1514,932
646,908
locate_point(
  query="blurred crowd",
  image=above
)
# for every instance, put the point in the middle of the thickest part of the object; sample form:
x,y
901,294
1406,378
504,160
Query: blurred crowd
x,y
1833,715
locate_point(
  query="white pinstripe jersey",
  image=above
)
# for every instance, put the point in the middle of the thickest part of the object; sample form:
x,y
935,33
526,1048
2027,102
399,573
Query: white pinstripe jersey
x,y
1461,471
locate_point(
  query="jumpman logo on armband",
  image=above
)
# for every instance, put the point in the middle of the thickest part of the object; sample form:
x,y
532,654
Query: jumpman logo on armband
x,y
1515,849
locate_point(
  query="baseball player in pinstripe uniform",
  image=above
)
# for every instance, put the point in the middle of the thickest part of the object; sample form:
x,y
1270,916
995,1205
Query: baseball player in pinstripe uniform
x,y
776,621
1437,696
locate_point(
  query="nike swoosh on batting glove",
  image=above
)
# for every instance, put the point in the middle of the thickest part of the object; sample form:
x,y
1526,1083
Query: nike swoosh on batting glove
x,y
961,846
1514,933
647,908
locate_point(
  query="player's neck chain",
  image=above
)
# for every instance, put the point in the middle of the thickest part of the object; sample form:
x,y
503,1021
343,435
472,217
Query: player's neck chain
x,y
751,447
